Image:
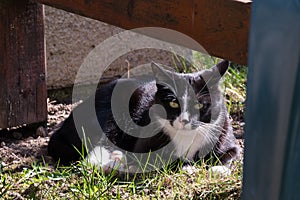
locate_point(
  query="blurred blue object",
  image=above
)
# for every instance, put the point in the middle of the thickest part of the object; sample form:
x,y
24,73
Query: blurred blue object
x,y
272,137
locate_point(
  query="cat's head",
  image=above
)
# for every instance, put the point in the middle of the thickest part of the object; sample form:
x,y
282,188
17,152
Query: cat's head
x,y
189,99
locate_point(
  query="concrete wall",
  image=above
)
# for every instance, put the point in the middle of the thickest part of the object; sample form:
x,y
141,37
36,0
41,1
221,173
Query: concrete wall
x,y
69,39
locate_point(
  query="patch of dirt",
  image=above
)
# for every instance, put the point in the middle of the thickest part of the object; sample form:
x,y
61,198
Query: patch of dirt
x,y
19,147
22,146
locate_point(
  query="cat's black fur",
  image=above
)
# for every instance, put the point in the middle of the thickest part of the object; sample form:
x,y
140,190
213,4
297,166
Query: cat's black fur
x,y
65,144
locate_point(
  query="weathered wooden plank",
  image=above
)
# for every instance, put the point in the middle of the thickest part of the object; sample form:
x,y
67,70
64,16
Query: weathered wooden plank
x,y
220,26
22,64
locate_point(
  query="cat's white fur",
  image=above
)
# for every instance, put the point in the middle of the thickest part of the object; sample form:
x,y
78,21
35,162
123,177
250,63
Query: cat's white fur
x,y
100,156
187,141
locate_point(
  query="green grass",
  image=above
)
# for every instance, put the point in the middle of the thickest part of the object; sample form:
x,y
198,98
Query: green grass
x,y
83,181
234,87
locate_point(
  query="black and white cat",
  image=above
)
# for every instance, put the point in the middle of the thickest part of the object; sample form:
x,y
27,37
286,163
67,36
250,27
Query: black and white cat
x,y
175,116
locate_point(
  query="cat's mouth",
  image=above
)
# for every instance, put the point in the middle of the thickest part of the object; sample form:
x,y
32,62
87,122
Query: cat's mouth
x,y
182,126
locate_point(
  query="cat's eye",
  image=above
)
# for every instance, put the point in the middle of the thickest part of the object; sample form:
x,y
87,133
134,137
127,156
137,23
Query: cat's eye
x,y
198,106
173,104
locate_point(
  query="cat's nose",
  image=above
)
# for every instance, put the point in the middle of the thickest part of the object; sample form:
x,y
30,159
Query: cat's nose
x,y
184,118
185,121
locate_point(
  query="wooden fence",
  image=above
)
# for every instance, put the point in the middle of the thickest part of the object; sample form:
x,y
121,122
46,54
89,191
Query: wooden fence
x,y
220,26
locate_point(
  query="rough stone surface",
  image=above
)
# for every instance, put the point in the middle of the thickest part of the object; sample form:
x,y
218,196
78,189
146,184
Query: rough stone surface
x,y
70,38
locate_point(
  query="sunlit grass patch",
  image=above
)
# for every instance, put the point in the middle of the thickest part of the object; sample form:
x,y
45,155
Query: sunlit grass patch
x,y
84,181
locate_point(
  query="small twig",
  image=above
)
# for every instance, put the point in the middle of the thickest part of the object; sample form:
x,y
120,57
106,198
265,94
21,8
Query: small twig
x,y
128,68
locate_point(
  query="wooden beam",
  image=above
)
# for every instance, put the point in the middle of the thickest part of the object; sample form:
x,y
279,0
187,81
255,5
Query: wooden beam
x,y
22,64
220,26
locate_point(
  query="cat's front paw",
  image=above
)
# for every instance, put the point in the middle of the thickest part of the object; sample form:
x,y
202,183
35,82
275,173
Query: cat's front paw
x,y
220,170
116,162
190,169
108,161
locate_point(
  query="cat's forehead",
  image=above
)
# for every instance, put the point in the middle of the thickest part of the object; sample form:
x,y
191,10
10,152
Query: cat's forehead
x,y
184,88
182,83
199,81
190,83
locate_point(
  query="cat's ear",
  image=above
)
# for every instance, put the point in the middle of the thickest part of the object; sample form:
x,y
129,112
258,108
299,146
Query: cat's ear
x,y
222,67
214,74
161,75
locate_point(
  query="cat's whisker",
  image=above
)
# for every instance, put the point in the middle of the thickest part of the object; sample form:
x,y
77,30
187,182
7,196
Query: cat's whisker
x,y
208,134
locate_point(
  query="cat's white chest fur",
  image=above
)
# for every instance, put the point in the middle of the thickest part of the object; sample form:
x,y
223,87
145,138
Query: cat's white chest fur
x,y
188,142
